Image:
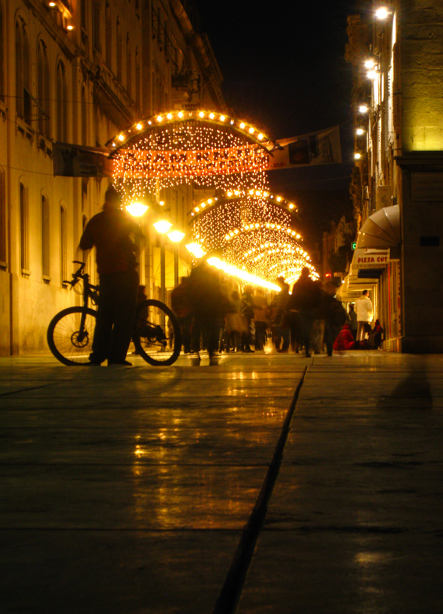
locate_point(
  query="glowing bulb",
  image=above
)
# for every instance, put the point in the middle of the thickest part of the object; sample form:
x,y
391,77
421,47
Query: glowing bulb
x,y
159,118
195,249
121,137
137,209
169,116
360,131
201,114
363,108
242,125
372,74
222,118
162,226
139,126
70,27
291,206
180,114
211,116
161,203
260,136
251,130
176,236
357,156
369,63
382,13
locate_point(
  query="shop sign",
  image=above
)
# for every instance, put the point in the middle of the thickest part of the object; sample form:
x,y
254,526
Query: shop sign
x,y
370,258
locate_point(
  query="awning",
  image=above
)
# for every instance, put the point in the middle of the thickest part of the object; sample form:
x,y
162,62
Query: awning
x,y
381,229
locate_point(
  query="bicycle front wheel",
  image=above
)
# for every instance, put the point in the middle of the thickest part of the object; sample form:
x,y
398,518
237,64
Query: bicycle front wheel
x,y
70,335
157,333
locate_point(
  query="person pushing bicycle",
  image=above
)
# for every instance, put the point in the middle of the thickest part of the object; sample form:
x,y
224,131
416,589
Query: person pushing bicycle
x,y
111,232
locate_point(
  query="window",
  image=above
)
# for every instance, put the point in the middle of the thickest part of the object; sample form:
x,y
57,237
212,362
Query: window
x,y
24,230
63,246
108,35
62,105
22,78
45,239
96,15
2,219
128,66
2,55
137,78
119,50
83,14
43,90
84,116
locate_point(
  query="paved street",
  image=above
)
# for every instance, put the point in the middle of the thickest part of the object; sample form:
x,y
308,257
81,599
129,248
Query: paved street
x,y
127,490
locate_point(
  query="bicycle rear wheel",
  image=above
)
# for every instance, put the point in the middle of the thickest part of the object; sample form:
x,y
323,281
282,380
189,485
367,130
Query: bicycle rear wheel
x,y
157,333
70,338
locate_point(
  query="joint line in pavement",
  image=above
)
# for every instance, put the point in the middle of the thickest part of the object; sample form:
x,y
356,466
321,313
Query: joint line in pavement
x,y
230,593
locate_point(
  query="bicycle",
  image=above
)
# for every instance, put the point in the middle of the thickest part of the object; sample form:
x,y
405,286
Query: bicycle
x,y
156,334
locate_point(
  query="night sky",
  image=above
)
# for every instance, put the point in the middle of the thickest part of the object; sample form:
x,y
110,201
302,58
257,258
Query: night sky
x,y
283,68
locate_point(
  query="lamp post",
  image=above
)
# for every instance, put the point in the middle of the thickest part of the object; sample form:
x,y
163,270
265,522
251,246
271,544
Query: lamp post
x,y
176,236
162,227
137,210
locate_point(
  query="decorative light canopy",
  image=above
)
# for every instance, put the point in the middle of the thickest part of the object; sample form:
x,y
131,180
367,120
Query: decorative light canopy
x,y
255,232
203,148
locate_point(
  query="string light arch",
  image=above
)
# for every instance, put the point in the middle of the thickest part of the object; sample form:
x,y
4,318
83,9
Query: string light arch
x,y
255,231
204,148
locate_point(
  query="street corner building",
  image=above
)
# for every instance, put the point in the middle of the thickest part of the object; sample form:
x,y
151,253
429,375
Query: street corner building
x,y
397,185
78,72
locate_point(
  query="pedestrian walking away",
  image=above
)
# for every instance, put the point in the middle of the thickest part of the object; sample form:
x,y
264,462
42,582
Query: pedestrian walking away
x,y
364,310
111,232
306,297
209,305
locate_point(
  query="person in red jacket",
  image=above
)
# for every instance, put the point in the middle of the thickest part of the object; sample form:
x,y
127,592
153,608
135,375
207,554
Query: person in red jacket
x,y
345,340
110,232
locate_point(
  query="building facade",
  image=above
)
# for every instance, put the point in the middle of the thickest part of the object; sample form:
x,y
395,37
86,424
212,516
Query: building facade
x,y
396,51
79,72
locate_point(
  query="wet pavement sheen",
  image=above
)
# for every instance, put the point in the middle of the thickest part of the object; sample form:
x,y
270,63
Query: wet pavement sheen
x,y
127,490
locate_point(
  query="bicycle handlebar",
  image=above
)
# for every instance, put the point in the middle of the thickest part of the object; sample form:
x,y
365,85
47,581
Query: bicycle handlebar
x,y
77,275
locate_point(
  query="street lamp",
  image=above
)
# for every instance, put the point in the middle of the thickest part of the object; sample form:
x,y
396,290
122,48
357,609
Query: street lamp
x,y
176,236
195,249
162,226
136,209
382,13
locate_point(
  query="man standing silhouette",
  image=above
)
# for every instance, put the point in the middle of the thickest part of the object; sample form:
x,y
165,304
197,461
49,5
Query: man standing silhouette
x,y
110,233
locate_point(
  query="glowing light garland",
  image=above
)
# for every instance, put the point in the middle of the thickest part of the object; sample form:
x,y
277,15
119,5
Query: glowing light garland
x,y
206,149
255,232
202,148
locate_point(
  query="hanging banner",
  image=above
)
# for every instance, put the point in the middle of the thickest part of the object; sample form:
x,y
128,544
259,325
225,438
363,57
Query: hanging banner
x,y
312,149
79,161
149,164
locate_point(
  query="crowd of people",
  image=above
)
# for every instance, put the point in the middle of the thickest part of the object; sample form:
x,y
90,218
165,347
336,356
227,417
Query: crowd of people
x,y
308,319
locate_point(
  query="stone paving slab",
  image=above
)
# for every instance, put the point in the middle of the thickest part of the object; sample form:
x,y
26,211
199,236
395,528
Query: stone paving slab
x,y
113,572
355,523
125,490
